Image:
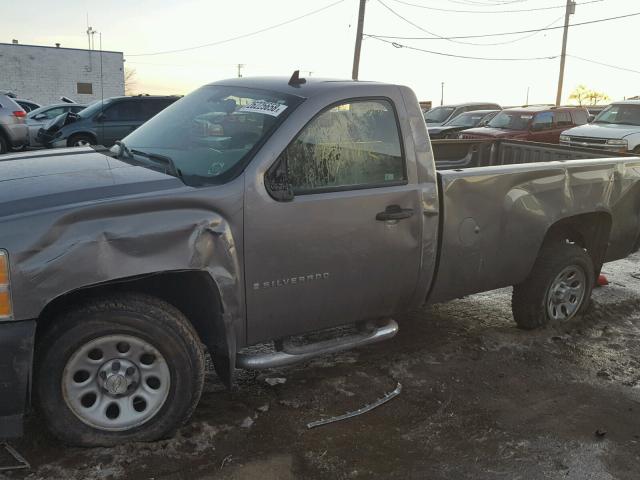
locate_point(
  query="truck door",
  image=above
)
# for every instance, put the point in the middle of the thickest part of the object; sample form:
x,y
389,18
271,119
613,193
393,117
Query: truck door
x,y
346,247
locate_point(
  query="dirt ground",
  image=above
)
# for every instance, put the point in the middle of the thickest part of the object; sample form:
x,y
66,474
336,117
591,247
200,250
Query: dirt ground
x,y
481,399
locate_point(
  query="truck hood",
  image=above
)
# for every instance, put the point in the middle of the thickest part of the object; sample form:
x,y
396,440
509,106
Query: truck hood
x,y
34,180
603,130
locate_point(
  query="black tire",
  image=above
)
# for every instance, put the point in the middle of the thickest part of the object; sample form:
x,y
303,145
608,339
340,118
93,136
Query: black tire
x,y
4,146
530,299
81,139
143,317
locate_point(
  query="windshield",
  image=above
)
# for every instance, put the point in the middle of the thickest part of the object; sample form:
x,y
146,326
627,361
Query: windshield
x,y
94,108
511,120
620,114
438,114
468,119
210,133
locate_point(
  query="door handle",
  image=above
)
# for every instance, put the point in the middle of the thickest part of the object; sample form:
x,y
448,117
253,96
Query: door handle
x,y
394,212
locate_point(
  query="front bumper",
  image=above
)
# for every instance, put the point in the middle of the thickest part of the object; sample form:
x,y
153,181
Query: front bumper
x,y
16,359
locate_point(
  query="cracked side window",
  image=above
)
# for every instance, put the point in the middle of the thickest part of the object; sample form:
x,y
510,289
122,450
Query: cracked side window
x,y
354,144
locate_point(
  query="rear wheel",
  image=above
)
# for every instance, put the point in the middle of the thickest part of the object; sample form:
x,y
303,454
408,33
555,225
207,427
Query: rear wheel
x,y
81,140
123,369
558,288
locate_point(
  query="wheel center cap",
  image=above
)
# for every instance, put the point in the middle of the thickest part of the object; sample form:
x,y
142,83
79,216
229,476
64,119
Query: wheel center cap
x,y
116,384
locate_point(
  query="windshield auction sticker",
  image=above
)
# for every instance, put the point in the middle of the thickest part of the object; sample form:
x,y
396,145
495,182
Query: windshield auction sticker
x,y
261,106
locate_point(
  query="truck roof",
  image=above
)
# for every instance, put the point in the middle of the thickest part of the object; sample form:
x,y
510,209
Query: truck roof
x,y
311,87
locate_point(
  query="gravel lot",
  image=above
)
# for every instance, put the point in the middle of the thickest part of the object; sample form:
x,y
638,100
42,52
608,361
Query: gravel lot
x,y
481,399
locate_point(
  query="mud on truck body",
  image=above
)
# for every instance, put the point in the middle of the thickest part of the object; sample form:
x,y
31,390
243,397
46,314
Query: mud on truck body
x,y
254,210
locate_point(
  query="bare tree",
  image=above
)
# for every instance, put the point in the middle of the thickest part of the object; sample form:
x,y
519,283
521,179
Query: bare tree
x,y
129,80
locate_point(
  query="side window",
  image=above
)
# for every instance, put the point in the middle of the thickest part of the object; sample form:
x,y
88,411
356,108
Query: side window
x,y
543,121
354,144
563,119
123,112
154,106
580,117
54,112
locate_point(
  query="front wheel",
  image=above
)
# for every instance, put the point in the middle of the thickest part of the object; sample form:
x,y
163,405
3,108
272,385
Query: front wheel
x,y
128,368
81,140
558,288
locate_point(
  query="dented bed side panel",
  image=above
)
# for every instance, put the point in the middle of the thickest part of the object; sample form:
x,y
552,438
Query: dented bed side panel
x,y
496,218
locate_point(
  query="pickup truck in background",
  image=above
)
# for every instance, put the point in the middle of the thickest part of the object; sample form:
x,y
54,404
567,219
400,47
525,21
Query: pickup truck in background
x,y
256,210
616,128
539,123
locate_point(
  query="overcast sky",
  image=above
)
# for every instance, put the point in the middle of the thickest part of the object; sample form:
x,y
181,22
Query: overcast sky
x,y
323,43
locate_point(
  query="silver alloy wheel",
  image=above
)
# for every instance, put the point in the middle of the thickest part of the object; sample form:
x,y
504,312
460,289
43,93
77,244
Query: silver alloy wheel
x,y
566,294
81,143
116,382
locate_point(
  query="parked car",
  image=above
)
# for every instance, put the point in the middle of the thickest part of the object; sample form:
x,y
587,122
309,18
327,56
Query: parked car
x,y
450,129
617,128
257,209
103,122
13,129
37,118
439,115
532,123
27,105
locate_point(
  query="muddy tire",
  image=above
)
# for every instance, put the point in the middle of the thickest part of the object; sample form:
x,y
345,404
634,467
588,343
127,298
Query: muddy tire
x,y
558,288
81,140
129,368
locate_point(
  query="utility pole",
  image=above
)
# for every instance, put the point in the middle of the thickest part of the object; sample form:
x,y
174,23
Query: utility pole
x,y
527,102
570,9
356,53
442,94
240,67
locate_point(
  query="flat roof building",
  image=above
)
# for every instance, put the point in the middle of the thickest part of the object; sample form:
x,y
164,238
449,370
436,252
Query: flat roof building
x,y
44,74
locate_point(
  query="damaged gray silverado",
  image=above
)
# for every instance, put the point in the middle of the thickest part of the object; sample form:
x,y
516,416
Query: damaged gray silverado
x,y
260,210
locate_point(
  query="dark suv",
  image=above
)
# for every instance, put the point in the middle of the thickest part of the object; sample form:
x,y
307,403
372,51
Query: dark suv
x,y
103,122
533,123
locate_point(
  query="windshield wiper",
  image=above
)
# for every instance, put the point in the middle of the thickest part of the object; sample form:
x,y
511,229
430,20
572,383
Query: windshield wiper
x,y
123,149
162,159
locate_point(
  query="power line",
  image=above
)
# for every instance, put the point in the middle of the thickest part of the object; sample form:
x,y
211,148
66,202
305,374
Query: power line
x,y
238,37
603,64
400,45
464,43
505,33
490,12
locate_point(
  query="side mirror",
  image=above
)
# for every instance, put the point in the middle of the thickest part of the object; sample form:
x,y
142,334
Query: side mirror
x,y
100,117
591,118
277,183
40,116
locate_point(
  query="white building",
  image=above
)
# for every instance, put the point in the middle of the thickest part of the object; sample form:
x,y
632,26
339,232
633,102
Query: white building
x,y
44,74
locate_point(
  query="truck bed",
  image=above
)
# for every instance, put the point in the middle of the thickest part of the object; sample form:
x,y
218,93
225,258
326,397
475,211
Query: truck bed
x,y
493,219
455,154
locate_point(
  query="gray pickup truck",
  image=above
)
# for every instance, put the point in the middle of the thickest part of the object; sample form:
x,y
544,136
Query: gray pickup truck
x,y
267,210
